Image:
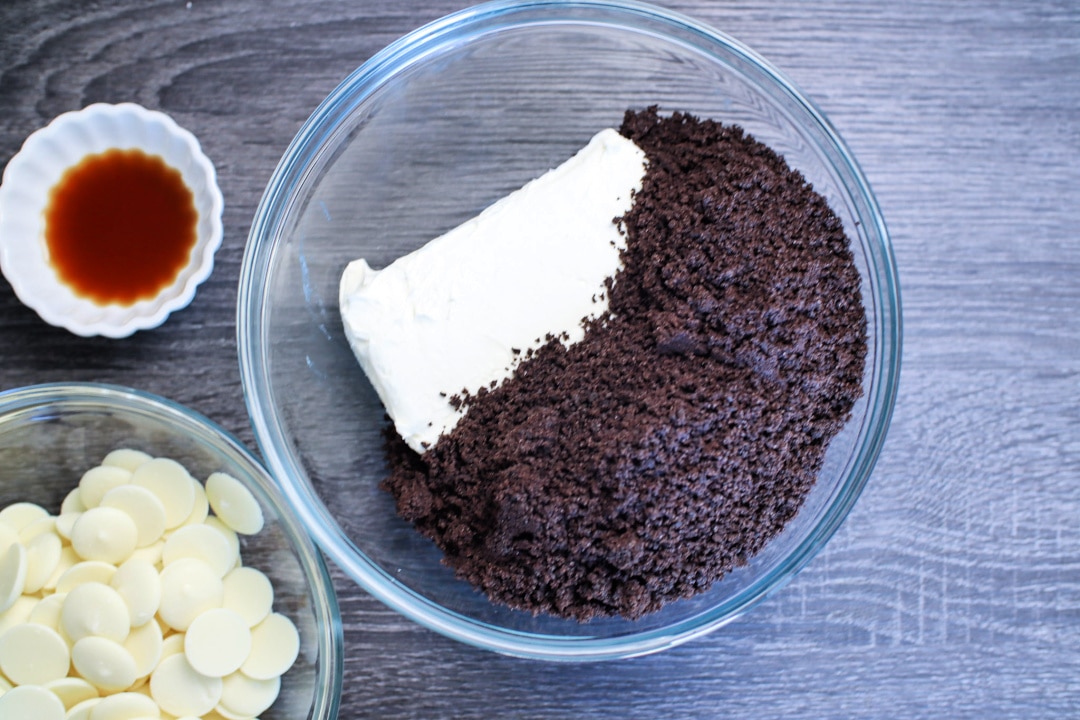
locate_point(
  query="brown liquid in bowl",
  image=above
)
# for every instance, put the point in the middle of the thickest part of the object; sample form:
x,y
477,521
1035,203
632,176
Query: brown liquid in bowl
x,y
120,226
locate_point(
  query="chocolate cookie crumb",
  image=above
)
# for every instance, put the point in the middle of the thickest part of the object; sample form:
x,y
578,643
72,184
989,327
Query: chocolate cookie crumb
x,y
641,464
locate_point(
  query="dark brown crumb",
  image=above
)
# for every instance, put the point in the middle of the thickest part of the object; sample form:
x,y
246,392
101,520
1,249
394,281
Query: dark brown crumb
x,y
641,464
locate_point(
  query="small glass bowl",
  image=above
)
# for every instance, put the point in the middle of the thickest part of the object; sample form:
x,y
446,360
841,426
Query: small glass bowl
x,y
51,434
420,138
25,193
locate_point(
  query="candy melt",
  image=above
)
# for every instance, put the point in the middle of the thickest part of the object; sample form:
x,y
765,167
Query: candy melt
x,y
218,642
134,601
233,503
33,655
172,484
189,587
179,689
31,702
12,575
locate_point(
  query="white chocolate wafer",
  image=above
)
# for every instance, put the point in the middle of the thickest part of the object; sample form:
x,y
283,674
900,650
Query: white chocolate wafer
x,y
234,503
201,509
94,609
189,587
19,515
73,502
42,558
202,543
218,642
47,611
143,507
97,481
104,663
8,536
139,584
275,644
126,458
72,690
32,654
171,482
145,644
81,711
179,690
19,612
37,527
125,706
30,702
247,697
104,533
248,592
84,572
12,575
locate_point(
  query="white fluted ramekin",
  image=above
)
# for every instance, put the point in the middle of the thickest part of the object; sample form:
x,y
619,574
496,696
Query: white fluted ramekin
x,y
24,195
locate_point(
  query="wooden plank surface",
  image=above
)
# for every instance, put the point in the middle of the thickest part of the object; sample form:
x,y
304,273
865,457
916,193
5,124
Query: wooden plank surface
x,y
953,590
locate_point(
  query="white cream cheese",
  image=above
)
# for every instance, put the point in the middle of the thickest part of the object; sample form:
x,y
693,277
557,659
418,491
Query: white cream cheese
x,y
462,311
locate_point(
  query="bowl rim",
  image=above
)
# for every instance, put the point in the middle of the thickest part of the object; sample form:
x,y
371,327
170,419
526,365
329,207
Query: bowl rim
x,y
329,630
271,436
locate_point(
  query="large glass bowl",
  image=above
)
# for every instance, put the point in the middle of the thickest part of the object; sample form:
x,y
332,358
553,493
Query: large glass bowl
x,y
422,137
51,434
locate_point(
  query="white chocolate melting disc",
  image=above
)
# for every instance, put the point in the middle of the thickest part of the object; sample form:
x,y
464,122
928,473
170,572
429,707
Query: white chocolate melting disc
x,y
12,575
32,654
228,532
234,503
201,509
85,572
73,503
47,612
104,663
139,584
65,523
37,527
68,559
30,702
179,690
217,642
202,543
42,558
8,536
171,482
172,645
275,644
125,706
81,711
93,609
248,592
19,612
247,697
19,515
143,507
97,481
72,690
126,458
189,587
105,534
150,553
145,645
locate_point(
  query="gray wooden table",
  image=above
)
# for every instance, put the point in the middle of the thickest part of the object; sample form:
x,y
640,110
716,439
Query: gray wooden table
x,y
953,589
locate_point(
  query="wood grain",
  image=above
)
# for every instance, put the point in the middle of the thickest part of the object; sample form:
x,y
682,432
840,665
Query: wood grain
x,y
953,590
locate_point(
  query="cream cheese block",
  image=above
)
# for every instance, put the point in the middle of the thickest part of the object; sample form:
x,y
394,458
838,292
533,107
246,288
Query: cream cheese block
x,y
462,311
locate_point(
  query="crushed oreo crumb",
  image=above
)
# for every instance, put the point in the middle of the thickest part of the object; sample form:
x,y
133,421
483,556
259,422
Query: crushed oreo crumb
x,y
641,464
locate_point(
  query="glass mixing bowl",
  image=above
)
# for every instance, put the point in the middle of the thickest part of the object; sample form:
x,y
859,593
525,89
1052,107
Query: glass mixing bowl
x,y
51,434
423,136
